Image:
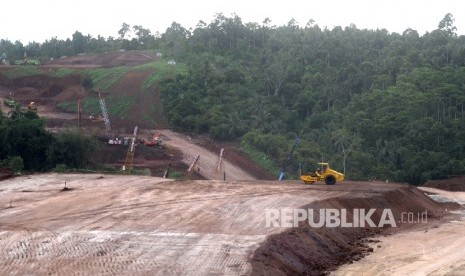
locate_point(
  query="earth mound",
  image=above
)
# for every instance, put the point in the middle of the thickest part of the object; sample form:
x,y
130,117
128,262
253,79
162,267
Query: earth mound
x,y
454,184
121,58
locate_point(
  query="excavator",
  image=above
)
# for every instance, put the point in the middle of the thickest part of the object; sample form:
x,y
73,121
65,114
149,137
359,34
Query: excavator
x,y
323,173
154,142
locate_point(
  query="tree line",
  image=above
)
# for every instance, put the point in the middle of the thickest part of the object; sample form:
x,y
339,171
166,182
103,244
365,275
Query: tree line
x,y
27,145
374,104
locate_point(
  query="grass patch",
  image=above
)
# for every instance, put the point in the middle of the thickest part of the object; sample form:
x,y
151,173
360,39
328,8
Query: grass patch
x,y
259,158
104,78
61,72
145,172
119,106
162,70
116,106
22,71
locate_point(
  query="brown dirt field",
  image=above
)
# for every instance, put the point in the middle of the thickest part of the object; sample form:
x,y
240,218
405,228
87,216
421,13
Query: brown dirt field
x,y
434,249
122,58
133,225
452,184
146,101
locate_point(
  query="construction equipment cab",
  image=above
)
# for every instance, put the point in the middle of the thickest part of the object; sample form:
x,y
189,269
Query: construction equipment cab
x,y
323,173
154,142
94,118
32,107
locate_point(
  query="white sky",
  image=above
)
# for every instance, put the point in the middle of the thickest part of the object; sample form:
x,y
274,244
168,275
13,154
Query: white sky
x,y
38,20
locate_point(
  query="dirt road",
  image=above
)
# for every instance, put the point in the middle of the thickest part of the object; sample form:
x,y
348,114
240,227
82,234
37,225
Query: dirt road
x,y
208,160
437,250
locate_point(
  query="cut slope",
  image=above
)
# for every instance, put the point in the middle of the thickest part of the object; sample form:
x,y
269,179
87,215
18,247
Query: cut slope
x,y
122,58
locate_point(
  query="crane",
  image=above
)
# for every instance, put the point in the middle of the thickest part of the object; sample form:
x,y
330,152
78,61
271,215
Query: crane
x,y
128,164
103,107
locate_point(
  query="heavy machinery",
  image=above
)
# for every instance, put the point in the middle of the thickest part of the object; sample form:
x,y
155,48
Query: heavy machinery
x,y
129,163
103,107
10,103
154,142
94,118
104,117
32,107
323,173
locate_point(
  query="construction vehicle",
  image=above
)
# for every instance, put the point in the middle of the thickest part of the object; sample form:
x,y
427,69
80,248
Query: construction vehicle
x,y
323,173
129,163
94,118
10,103
154,142
27,60
32,107
104,117
103,107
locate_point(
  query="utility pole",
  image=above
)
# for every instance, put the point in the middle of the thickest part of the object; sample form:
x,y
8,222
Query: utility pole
x,y
219,169
192,166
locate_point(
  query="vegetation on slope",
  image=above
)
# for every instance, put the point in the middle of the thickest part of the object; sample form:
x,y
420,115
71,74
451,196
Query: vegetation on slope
x,y
26,144
374,104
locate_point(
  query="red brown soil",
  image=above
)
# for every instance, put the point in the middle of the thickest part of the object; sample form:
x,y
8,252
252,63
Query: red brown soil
x,y
452,184
122,58
147,113
153,226
233,154
133,225
318,251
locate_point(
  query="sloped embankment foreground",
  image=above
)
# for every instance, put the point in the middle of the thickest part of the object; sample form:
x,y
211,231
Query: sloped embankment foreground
x,y
132,225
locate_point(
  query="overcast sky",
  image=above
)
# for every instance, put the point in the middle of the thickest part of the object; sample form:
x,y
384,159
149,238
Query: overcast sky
x,y
38,20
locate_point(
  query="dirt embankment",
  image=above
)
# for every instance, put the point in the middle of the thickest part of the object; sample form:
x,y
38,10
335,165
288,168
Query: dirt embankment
x,y
216,223
318,251
122,58
133,225
452,184
433,250
45,90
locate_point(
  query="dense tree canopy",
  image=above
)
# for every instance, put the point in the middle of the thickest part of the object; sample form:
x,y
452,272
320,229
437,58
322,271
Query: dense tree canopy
x,y
26,144
373,103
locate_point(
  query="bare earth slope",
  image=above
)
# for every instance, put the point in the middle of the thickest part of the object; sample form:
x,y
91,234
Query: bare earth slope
x,y
133,225
208,160
436,250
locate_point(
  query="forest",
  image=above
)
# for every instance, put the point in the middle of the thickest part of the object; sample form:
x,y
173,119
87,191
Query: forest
x,y
375,104
26,145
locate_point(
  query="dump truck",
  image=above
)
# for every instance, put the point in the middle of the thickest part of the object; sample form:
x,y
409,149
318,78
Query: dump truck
x,y
323,173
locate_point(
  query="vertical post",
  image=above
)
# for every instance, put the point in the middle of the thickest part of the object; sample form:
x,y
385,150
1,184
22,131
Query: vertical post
x,y
289,158
79,112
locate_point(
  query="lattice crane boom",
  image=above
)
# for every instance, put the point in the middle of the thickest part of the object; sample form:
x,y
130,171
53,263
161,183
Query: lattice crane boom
x,y
103,107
